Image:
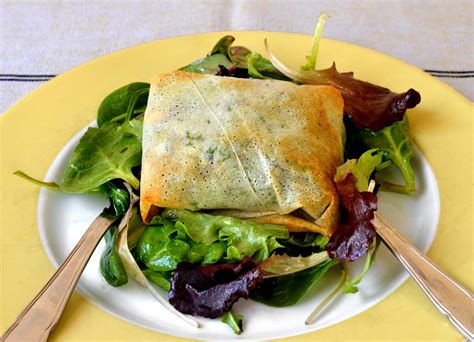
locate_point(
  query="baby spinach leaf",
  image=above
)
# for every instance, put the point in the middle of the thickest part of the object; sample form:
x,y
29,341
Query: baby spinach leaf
x,y
222,55
395,143
111,266
123,101
223,47
234,321
208,65
287,290
236,54
262,68
102,155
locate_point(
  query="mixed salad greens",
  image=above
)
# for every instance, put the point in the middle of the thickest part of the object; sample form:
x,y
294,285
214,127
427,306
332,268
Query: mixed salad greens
x,y
208,262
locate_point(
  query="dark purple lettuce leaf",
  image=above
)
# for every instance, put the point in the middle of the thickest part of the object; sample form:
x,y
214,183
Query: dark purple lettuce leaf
x,y
209,291
232,72
355,233
368,105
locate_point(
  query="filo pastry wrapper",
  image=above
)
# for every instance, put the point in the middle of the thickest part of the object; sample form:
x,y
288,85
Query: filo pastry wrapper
x,y
264,150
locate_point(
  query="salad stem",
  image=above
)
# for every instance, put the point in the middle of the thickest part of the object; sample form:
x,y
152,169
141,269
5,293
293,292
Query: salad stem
x,y
315,313
318,32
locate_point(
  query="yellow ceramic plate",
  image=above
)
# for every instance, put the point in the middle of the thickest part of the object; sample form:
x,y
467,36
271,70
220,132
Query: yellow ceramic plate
x,y
36,128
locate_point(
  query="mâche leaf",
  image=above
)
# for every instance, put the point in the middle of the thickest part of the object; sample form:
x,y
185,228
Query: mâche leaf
x,y
111,266
104,154
118,197
130,99
395,143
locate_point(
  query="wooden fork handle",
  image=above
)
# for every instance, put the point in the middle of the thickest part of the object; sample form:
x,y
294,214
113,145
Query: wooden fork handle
x,y
39,318
451,298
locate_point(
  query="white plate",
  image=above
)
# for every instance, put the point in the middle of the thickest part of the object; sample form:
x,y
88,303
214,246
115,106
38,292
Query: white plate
x,y
63,218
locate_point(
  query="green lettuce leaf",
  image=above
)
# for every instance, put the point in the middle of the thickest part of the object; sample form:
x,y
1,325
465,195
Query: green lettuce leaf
x,y
250,239
104,154
395,143
180,235
160,248
362,168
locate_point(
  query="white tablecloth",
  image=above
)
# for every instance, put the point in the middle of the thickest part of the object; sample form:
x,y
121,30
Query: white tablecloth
x,y
40,39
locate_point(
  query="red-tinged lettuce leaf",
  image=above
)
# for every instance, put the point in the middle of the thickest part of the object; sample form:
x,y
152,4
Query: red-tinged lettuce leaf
x,y
210,291
369,105
354,236
232,72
